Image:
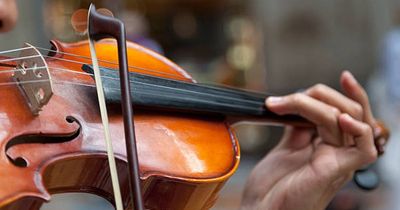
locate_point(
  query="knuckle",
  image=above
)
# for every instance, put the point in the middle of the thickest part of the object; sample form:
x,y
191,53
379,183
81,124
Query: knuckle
x,y
298,101
363,97
317,89
366,129
335,112
358,110
333,115
297,98
371,155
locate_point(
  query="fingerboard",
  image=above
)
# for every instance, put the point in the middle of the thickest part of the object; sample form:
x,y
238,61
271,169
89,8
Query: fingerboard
x,y
174,95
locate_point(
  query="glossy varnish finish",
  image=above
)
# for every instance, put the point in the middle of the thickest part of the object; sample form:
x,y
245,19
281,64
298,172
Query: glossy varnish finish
x,y
184,159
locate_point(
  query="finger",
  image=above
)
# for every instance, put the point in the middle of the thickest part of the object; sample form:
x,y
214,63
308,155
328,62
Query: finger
x,y
356,92
364,151
334,98
8,15
322,115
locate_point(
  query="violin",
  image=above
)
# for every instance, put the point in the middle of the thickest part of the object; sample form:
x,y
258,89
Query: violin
x,y
52,137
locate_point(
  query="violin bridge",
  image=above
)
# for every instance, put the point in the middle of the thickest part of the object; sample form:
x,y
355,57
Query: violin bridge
x,y
33,78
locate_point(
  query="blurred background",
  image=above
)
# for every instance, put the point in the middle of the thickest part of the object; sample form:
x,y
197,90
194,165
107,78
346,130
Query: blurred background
x,y
274,46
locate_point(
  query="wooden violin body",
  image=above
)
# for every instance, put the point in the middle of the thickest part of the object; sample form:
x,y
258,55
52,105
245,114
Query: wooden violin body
x,y
184,158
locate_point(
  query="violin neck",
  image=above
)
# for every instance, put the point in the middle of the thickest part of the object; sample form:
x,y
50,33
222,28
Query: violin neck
x,y
179,96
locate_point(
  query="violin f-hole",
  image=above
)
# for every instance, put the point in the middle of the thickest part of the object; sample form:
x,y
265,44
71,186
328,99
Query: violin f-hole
x,y
23,162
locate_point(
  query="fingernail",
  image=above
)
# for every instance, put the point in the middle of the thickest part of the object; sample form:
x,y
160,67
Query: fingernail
x,y
273,100
352,79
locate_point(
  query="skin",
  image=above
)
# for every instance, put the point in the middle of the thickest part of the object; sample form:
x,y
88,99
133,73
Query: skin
x,y
8,15
309,166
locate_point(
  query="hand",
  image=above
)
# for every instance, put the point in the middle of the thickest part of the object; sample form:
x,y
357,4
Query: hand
x,y
309,166
8,15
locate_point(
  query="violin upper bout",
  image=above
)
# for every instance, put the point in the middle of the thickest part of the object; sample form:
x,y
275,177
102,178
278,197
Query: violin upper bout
x,y
140,59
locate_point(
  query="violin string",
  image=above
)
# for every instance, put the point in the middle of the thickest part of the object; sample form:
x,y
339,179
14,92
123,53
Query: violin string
x,y
66,82
103,61
79,56
23,82
54,68
77,83
112,78
54,81
132,67
18,58
83,63
175,89
44,67
81,73
20,69
14,50
89,74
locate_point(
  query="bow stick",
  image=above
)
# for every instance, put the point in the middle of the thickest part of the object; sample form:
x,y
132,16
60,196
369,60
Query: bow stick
x,y
99,27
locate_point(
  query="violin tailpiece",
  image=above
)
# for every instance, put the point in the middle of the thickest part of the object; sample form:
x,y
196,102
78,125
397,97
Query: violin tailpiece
x,y
33,78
